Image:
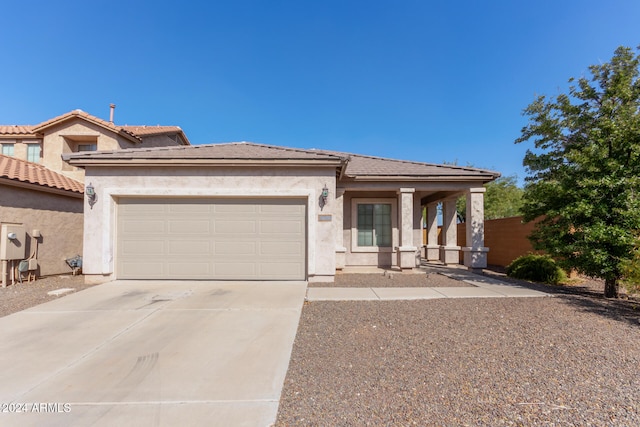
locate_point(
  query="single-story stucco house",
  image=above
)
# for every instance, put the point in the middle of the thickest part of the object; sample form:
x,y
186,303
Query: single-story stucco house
x,y
246,211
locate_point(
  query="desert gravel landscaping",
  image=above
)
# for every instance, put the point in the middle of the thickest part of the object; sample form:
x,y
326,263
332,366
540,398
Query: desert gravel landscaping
x,y
23,295
571,359
567,360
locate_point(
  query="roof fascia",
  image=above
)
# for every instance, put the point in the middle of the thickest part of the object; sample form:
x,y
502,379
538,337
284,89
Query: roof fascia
x,y
199,162
400,178
38,187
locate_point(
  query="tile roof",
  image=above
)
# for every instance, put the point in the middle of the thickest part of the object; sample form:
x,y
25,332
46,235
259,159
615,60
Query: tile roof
x,y
19,130
88,117
142,131
226,151
33,173
152,130
368,166
358,166
134,133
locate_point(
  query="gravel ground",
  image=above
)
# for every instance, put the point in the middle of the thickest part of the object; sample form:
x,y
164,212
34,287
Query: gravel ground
x,y
570,360
21,296
428,278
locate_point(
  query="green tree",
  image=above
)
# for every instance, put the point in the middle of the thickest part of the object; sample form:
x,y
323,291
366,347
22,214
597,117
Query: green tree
x,y
583,176
502,199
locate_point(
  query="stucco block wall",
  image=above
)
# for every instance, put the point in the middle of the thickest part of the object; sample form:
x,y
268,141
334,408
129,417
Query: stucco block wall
x,y
506,239
112,183
59,219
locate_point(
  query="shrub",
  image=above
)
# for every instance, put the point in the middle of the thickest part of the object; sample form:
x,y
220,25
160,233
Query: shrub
x,y
536,268
631,271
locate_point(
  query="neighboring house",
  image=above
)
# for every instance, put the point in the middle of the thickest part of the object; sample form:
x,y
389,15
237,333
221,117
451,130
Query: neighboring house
x,y
47,202
78,131
244,211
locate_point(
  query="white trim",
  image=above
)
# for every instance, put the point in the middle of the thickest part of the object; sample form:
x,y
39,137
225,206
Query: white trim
x,y
354,224
108,197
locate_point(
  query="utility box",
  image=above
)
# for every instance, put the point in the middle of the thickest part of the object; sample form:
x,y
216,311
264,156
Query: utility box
x,y
13,239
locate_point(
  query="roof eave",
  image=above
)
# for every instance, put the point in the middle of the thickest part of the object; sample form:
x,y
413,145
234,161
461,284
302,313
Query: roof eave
x,y
200,162
484,177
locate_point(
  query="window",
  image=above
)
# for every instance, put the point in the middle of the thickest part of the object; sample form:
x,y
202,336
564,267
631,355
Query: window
x,y
33,153
87,147
374,224
7,149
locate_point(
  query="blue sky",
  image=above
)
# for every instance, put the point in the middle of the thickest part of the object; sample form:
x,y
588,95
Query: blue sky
x,y
418,80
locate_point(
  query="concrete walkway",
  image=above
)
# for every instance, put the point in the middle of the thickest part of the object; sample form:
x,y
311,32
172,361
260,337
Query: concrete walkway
x,y
134,353
483,287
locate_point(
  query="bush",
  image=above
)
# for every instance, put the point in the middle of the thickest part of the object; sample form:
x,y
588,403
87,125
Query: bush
x,y
631,271
536,268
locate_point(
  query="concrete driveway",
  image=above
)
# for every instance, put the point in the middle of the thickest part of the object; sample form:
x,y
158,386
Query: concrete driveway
x,y
150,353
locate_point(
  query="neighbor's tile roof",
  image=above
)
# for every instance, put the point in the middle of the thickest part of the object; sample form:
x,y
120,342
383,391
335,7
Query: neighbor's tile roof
x,y
33,173
152,130
132,132
142,131
16,130
88,117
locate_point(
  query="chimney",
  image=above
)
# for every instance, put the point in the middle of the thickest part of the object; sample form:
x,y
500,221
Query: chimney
x,y
112,107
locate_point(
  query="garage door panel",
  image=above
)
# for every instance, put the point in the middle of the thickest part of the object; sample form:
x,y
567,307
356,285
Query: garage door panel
x,y
236,227
281,248
235,207
280,269
197,227
188,270
189,247
189,208
147,247
149,226
149,269
229,270
281,227
232,250
143,207
223,239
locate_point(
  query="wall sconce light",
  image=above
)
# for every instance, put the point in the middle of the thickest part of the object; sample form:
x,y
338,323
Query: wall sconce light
x,y
92,198
324,197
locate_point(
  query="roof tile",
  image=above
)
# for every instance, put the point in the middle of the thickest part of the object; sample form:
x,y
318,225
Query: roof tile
x,y
18,130
33,173
358,165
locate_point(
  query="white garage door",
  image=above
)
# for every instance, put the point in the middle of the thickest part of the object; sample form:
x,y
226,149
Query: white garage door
x,y
216,239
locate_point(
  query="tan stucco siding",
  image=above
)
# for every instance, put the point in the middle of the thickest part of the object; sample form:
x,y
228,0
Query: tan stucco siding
x,y
112,183
59,219
64,138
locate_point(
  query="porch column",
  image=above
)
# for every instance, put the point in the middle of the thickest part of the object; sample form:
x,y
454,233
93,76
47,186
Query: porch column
x,y
339,229
407,250
449,251
432,248
475,253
